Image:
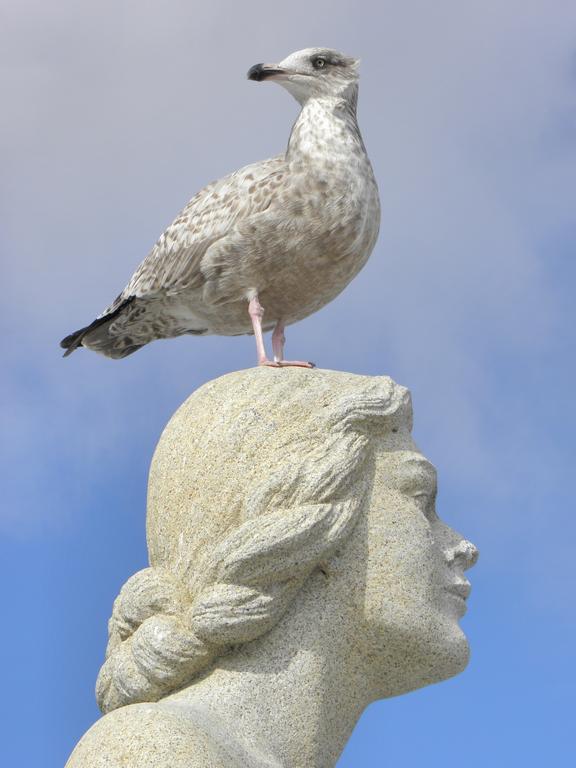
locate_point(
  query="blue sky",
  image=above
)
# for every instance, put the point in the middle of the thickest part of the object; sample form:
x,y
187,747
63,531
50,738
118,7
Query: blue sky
x,y
115,114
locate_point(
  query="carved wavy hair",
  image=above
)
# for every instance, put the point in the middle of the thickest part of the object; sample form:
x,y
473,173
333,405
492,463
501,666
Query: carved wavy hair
x,y
166,629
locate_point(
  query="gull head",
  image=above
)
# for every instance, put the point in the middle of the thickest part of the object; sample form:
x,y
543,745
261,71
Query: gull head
x,y
312,74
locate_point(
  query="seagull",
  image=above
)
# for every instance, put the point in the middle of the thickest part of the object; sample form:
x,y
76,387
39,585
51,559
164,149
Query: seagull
x,y
267,245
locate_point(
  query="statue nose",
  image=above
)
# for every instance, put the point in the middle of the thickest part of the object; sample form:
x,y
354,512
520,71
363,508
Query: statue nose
x,y
465,552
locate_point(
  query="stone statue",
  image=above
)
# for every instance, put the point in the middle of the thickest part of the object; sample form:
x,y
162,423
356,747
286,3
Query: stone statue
x,y
298,572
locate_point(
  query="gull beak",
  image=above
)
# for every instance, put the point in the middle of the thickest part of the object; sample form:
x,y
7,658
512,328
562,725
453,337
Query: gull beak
x,y
264,71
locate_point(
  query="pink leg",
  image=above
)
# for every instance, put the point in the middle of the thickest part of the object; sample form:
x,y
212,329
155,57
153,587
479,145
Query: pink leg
x,y
278,340
256,312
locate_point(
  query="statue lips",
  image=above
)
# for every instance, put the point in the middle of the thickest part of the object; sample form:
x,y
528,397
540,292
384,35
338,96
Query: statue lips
x,y
460,590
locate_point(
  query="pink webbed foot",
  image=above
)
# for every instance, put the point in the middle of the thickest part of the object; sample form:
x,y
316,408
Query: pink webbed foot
x,y
292,364
278,341
286,363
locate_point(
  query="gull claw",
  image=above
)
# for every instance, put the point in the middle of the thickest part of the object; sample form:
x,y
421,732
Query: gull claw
x,y
295,364
287,363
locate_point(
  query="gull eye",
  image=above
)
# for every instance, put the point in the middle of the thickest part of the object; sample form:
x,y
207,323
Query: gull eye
x,y
319,62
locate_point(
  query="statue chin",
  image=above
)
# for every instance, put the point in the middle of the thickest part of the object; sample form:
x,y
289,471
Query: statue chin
x,y
441,663
298,571
411,658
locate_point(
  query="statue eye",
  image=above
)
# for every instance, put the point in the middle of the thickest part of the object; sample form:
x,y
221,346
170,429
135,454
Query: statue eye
x,y
426,501
319,62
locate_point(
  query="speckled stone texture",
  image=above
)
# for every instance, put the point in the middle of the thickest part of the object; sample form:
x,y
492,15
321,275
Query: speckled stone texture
x,y
298,572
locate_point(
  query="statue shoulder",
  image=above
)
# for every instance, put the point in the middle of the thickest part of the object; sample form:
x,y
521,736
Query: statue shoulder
x,y
162,735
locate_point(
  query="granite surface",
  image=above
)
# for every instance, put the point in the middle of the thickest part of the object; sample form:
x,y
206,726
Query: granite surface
x,y
298,571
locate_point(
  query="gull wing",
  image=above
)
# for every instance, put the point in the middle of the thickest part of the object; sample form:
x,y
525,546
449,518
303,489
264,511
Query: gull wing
x,y
173,264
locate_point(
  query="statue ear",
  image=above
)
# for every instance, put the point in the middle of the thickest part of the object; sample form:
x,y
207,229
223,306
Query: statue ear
x,y
282,545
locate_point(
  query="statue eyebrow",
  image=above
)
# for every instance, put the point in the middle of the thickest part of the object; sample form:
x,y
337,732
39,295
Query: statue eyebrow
x,y
420,466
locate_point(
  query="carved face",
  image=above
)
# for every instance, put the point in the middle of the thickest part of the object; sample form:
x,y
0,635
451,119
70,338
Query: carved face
x,y
411,576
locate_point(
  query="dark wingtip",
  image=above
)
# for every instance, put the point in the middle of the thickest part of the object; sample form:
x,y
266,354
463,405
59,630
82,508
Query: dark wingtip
x,y
72,342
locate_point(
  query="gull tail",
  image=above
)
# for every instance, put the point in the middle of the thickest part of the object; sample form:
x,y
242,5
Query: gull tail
x,y
99,339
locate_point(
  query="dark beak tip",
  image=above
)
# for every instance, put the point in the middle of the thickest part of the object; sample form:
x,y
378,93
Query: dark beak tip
x,y
256,72
263,72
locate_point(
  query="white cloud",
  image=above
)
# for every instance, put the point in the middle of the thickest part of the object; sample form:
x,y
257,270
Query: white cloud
x,y
118,116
